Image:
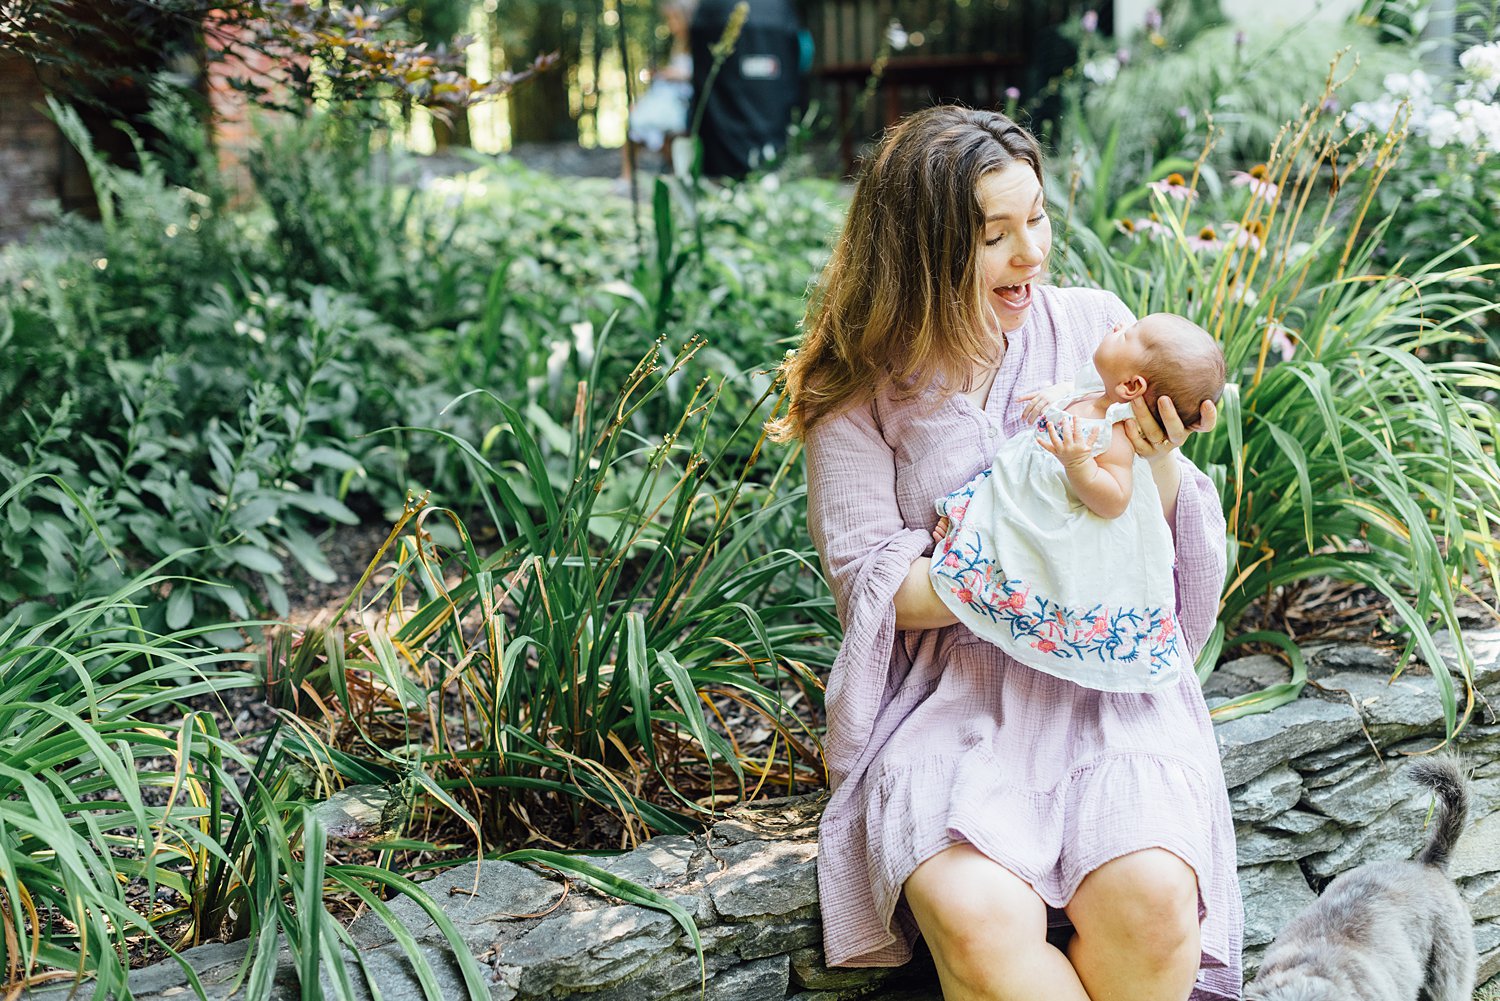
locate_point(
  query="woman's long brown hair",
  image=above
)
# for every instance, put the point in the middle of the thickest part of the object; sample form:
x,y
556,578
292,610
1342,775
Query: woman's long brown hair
x,y
899,302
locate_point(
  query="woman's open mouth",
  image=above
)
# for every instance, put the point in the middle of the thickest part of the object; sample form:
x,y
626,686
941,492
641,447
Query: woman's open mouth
x,y
1015,296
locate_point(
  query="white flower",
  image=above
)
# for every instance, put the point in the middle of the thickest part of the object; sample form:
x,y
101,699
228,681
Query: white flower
x,y
897,36
1377,114
1485,119
1482,62
1441,127
1415,85
1102,71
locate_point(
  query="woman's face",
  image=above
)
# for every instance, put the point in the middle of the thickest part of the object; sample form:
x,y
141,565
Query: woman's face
x,y
1017,237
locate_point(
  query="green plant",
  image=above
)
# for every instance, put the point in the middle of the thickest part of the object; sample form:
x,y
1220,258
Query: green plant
x,y
588,657
1348,448
1169,95
126,817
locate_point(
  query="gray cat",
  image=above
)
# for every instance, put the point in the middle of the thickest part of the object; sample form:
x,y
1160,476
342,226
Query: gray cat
x,y
1385,931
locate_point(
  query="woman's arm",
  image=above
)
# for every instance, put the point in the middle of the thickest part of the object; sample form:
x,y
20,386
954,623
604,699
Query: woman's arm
x,y
917,604
869,556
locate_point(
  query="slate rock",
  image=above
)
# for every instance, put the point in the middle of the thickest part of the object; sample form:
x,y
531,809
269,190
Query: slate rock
x,y
1359,798
656,863
790,818
665,974
759,980
810,972
476,895
758,939
776,878
1392,710
1266,795
1489,965
1484,795
390,968
1320,763
1484,647
1338,657
1482,894
578,950
1274,894
1478,849
1297,834
1396,834
1244,675
1252,745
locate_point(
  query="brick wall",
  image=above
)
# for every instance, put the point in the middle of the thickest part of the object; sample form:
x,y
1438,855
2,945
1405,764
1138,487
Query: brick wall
x,y
36,164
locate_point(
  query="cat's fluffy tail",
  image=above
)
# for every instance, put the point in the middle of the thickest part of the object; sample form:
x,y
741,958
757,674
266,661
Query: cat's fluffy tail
x,y
1446,779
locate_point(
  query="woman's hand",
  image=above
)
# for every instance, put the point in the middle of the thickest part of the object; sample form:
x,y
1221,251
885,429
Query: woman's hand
x,y
1038,400
1155,441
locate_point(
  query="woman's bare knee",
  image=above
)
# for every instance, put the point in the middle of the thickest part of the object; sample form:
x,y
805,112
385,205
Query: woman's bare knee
x,y
1147,900
972,911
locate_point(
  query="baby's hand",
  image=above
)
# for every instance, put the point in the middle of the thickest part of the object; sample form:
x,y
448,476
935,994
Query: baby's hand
x,y
1069,443
1038,400
941,530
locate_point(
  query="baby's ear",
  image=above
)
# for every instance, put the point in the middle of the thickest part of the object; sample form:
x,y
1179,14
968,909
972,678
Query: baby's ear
x,y
1132,387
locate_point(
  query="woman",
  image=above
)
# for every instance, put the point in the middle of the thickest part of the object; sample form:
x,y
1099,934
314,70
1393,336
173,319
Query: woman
x,y
1048,841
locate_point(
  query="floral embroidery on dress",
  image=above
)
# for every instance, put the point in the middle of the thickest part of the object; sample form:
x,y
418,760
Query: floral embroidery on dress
x,y
1118,635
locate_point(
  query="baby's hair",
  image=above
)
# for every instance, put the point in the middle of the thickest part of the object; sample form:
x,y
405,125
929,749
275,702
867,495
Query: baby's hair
x,y
1183,362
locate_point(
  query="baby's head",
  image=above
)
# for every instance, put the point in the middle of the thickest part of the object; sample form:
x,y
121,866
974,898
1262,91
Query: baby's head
x,y
1162,354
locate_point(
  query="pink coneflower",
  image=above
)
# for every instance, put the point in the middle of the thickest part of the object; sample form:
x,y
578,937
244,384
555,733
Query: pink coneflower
x,y
1206,241
1012,93
1174,186
1252,234
1258,180
1140,227
1281,341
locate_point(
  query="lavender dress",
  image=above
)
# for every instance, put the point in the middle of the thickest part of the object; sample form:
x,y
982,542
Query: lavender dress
x,y
936,737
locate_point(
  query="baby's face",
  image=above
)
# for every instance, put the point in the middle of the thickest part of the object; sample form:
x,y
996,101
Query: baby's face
x,y
1120,357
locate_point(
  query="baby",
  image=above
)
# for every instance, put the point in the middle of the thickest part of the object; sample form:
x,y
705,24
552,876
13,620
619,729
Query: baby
x,y
1059,553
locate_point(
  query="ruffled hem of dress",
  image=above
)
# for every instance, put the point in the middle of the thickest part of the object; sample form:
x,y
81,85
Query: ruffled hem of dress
x,y
1067,817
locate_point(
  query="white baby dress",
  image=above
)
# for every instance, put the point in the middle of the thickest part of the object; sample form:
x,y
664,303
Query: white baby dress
x,y
1027,566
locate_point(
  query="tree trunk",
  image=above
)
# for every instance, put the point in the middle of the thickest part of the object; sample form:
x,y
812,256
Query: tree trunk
x,y
455,133
539,107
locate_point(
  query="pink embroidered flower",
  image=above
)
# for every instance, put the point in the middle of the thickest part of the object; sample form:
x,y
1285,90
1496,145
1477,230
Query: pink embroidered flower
x,y
1016,600
1046,646
1167,630
957,514
1174,185
1258,180
1099,628
951,560
964,594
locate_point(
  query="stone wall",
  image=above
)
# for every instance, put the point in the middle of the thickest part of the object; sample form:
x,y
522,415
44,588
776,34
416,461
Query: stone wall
x,y
1316,788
